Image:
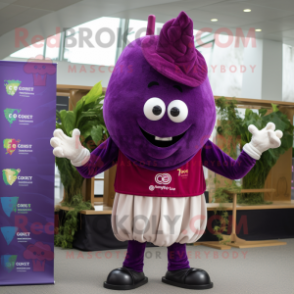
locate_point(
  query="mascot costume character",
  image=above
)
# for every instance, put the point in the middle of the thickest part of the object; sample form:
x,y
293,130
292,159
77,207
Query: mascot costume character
x,y
160,112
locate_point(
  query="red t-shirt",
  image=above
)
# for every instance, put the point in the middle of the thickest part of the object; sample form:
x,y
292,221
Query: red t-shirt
x,y
188,180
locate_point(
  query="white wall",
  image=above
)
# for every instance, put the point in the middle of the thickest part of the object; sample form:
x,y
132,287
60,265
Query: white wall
x,y
272,70
225,69
83,74
288,73
251,84
267,71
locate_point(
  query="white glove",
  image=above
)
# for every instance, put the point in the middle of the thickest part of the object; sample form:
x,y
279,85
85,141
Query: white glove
x,y
262,140
70,147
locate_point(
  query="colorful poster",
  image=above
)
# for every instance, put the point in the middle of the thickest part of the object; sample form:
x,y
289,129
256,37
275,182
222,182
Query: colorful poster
x,y
27,122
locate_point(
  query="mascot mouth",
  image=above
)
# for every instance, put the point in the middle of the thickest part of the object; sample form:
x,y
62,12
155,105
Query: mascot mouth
x,y
161,141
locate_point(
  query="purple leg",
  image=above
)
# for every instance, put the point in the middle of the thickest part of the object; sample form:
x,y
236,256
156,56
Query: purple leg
x,y
177,257
135,256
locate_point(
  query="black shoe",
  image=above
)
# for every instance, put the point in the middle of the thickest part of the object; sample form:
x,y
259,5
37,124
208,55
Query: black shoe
x,y
124,278
189,278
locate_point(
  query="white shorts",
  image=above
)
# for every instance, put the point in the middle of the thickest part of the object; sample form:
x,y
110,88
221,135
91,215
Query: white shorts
x,y
159,220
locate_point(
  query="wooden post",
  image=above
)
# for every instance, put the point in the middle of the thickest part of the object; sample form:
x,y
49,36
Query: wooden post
x,y
234,221
74,97
88,190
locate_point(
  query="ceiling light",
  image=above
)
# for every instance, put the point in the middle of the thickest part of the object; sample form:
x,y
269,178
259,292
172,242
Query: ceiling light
x,y
214,19
257,30
247,10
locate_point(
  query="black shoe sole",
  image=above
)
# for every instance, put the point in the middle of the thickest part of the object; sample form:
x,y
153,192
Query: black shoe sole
x,y
196,287
125,287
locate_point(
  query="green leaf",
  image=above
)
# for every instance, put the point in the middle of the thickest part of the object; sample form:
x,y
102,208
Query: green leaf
x,y
97,134
275,107
85,116
58,115
105,131
86,136
68,121
93,94
90,106
87,126
248,113
79,106
262,111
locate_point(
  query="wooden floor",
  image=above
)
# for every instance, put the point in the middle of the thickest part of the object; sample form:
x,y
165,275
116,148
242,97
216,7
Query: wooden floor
x,y
100,208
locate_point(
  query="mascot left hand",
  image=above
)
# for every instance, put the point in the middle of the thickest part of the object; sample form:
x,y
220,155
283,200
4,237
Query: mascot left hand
x,y
262,140
69,147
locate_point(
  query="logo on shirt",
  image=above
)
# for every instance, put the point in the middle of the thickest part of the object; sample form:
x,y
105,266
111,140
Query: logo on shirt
x,y
164,179
183,172
151,188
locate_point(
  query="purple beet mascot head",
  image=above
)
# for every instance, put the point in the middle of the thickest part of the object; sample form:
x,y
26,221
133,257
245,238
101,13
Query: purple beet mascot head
x,y
159,107
160,112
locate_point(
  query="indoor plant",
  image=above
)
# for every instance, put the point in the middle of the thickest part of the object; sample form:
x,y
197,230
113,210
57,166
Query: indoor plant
x,y
233,125
234,130
87,116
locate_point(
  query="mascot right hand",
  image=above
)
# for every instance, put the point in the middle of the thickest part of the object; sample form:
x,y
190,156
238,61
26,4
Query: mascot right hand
x,y
70,147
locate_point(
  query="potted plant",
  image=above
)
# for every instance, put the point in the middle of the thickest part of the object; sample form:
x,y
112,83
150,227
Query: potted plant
x,y
234,130
87,116
233,127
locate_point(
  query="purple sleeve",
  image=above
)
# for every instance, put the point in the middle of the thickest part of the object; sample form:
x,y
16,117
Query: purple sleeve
x,y
101,159
216,160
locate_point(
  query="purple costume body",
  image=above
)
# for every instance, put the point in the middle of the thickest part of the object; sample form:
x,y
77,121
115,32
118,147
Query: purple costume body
x,y
159,107
105,156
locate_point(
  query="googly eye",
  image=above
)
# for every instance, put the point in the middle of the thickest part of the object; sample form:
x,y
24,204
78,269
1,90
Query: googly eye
x,y
154,109
177,111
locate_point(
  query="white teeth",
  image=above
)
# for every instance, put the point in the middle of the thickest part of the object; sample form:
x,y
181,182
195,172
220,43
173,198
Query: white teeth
x,y
163,139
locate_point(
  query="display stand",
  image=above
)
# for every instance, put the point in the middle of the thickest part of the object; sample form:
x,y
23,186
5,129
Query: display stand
x,y
233,240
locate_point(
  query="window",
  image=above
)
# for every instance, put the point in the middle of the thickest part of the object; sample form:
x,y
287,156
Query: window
x,y
205,46
48,48
53,46
137,29
94,42
30,52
